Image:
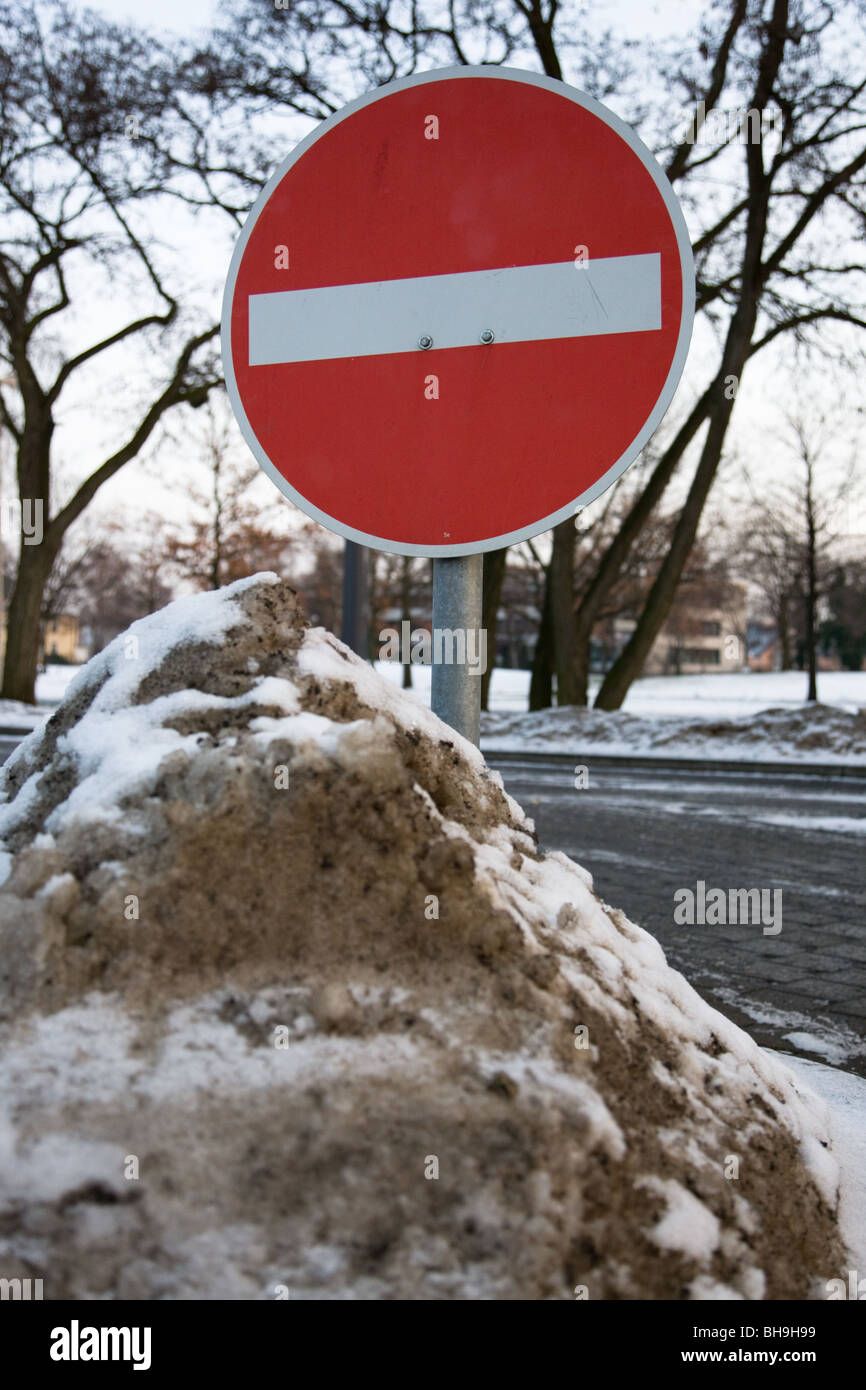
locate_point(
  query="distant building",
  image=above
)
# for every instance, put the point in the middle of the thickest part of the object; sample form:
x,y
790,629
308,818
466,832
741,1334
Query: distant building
x,y
711,644
61,639
516,635
762,644
701,635
765,651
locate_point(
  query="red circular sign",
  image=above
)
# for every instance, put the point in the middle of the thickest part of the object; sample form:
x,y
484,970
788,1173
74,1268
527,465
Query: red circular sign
x,y
458,311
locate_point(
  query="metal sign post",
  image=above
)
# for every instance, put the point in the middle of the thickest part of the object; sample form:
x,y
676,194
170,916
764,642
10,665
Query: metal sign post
x,y
355,600
456,684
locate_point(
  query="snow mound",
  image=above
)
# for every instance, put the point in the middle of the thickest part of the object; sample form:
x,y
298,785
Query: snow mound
x,y
292,1005
811,733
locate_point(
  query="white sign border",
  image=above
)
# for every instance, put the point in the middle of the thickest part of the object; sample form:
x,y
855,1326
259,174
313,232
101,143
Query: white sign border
x,y
662,402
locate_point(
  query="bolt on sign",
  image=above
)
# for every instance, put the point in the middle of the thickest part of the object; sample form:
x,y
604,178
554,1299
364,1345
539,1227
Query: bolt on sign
x,y
458,311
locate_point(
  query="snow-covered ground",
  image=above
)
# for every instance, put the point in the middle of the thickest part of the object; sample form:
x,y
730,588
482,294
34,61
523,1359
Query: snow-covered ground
x,y
15,715
51,685
723,696
744,717
845,1096
796,734
709,697
737,695
733,717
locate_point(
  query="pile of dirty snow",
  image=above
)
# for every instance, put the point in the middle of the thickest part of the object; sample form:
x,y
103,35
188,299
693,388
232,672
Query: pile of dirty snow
x,y
290,1003
804,734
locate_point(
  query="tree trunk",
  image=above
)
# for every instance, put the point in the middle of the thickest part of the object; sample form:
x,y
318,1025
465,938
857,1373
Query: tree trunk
x,y
784,634
405,605
541,684
811,590
406,679
581,665
615,557
561,586
373,608
738,347
630,662
494,572
217,557
24,622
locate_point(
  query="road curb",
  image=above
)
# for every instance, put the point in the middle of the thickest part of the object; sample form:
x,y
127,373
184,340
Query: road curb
x,y
643,762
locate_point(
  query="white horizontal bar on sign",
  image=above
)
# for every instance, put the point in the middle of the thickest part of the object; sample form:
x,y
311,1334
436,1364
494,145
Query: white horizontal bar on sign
x,y
518,304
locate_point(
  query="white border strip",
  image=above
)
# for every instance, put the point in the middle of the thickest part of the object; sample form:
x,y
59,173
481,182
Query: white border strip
x,y
518,304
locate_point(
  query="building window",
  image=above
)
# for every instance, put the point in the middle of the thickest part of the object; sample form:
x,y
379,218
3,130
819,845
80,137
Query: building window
x,y
710,628
701,656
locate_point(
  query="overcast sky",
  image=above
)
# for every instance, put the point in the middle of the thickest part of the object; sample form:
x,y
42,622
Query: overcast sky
x,y
184,16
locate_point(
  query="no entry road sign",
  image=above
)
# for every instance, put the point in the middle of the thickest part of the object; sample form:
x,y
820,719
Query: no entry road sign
x,y
458,311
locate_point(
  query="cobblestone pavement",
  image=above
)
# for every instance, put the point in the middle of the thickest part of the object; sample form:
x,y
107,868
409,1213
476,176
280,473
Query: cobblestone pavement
x,y
644,834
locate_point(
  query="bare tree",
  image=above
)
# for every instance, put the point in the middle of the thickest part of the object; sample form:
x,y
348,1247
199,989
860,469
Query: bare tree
x,y
758,200
228,535
494,567
771,281
400,591
319,581
769,560
763,200
843,630
74,91
106,579
760,197
788,548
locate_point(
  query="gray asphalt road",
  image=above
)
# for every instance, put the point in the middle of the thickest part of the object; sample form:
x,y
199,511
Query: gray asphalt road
x,y
644,834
